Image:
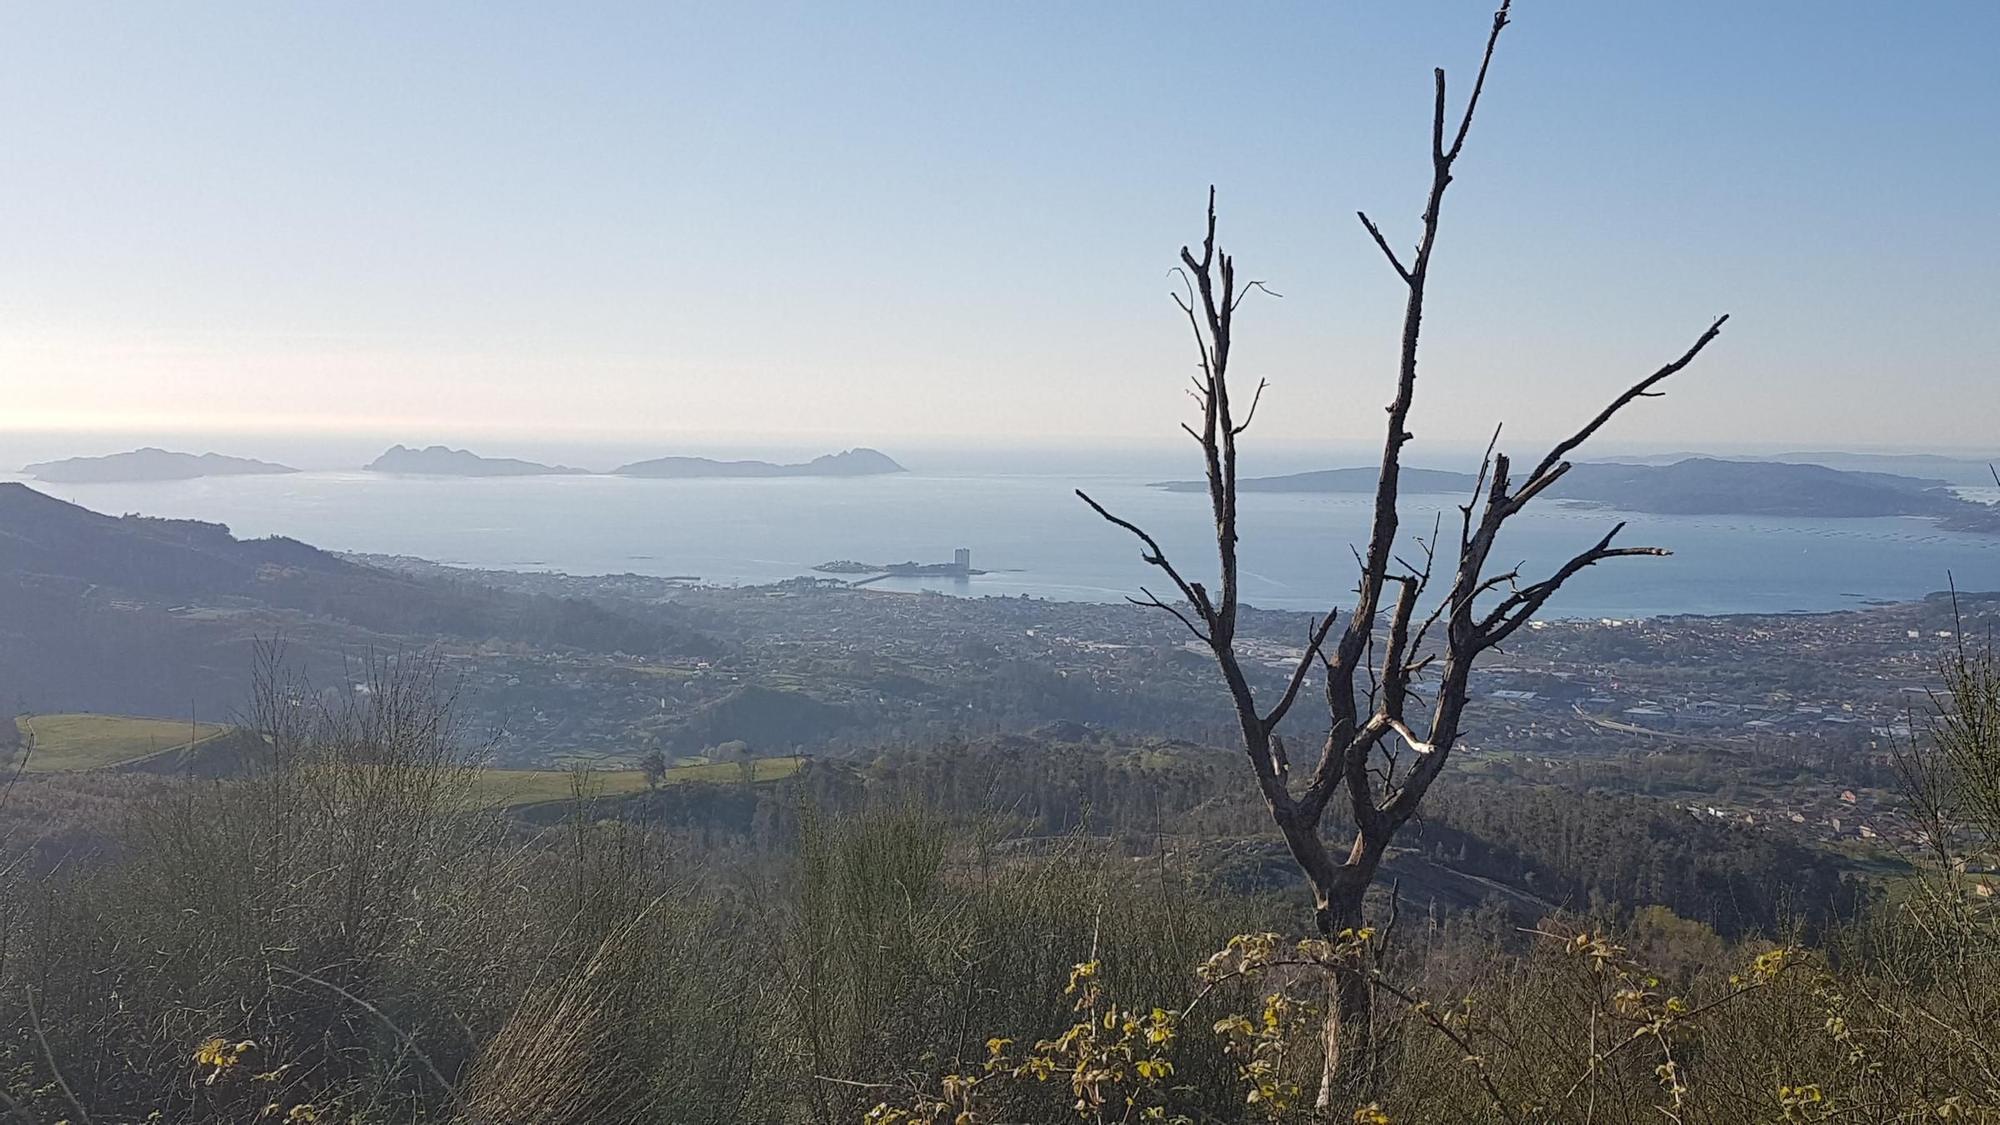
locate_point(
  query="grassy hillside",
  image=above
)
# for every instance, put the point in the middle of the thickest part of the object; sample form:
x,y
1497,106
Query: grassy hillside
x,y
92,742
527,787
88,742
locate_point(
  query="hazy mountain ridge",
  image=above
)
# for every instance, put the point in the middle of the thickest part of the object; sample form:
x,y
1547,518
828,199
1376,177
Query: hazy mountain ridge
x,y
149,463
1974,471
1701,486
438,460
1692,486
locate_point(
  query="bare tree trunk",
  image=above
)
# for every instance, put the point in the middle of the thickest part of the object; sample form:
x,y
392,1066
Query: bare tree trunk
x,y
1381,754
1345,1032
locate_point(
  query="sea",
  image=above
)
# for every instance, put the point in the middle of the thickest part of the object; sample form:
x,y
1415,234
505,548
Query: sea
x,y
1035,538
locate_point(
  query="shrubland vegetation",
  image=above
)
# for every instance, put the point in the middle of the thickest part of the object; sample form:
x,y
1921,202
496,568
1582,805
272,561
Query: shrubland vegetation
x,y
355,932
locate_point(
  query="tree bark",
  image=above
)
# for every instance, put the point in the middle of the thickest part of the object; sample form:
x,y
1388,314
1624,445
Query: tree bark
x,y
1346,1029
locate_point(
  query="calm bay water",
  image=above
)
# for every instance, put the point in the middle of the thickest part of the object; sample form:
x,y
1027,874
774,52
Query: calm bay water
x,y
1040,540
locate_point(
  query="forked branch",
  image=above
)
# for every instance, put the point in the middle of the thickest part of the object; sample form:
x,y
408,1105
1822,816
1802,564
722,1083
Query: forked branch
x,y
1552,466
1386,660
1209,299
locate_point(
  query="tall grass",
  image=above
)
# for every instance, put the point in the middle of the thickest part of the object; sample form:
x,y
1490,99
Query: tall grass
x,y
351,932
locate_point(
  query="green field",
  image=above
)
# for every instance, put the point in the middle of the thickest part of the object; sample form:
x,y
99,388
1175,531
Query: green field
x,y
89,742
528,787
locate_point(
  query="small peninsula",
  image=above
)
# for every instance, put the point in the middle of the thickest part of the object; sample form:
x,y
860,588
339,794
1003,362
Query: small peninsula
x,y
437,460
148,464
851,463
960,566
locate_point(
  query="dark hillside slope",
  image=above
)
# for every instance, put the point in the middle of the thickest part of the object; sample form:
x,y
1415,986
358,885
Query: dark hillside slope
x,y
149,616
40,535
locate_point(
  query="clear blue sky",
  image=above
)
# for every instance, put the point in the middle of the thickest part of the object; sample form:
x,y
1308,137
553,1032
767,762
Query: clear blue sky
x,y
873,221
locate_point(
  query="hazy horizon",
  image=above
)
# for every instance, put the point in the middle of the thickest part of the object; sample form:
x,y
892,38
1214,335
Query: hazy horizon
x,y
921,453
675,227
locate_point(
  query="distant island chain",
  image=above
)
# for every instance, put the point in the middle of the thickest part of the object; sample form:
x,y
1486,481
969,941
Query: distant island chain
x,y
150,464
1686,486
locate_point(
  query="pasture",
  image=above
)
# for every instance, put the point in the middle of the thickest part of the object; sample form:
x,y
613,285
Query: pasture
x,y
89,742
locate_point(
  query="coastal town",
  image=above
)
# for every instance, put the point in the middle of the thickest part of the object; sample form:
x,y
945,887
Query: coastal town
x,y
1790,721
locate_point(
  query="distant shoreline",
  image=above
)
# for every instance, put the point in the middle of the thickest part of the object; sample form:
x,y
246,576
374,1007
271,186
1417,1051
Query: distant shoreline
x,y
738,533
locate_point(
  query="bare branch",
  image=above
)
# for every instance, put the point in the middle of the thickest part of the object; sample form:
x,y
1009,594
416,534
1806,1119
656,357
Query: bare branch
x,y
1537,485
1515,609
1478,84
1375,232
1152,601
1437,130
1395,671
409,1041
1478,487
1200,343
1382,533
1245,295
1637,390
1152,555
1252,414
1313,648
1473,1058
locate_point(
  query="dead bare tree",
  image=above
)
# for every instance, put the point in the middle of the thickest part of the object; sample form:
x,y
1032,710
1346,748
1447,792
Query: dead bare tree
x,y
1384,760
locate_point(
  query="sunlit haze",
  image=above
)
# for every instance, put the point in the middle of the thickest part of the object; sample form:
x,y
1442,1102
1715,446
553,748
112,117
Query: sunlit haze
x,y
684,225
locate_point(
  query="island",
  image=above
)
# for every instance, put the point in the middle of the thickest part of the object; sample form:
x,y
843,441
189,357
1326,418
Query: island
x,y
437,460
860,462
1704,486
960,566
1693,486
148,464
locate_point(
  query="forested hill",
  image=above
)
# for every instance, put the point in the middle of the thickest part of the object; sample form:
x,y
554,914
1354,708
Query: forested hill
x,y
41,535
140,615
1694,486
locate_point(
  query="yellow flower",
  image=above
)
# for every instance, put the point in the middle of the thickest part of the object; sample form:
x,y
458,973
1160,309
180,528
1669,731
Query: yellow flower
x,y
1081,973
218,1055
